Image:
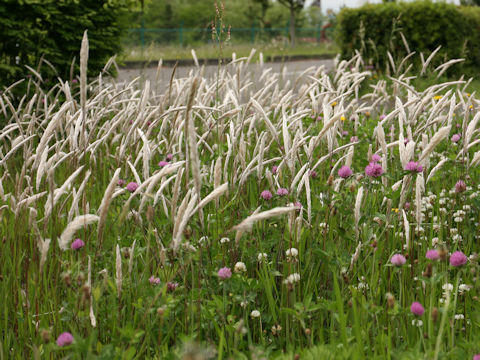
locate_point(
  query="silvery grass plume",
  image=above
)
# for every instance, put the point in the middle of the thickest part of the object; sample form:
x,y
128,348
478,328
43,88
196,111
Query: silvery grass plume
x,y
214,195
356,255
49,205
105,204
43,246
435,140
182,222
83,71
73,226
76,197
476,159
118,271
436,168
130,260
419,189
247,224
358,205
93,320
406,226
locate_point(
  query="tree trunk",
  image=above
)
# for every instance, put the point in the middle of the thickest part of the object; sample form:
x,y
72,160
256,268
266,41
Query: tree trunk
x,y
292,26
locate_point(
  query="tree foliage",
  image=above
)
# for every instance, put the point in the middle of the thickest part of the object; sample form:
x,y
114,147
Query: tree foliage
x,y
52,30
375,29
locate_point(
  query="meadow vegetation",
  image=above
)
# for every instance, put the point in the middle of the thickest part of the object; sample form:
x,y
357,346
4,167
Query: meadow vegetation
x,y
332,216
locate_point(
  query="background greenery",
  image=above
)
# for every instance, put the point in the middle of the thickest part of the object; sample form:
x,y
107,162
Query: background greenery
x,y
52,30
375,29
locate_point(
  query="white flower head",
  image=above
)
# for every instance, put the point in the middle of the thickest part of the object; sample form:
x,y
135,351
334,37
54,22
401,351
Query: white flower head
x,y
262,256
240,267
292,252
292,279
255,314
417,322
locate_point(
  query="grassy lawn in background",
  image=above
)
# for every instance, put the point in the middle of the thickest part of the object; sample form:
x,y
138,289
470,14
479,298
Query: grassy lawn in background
x,y
209,51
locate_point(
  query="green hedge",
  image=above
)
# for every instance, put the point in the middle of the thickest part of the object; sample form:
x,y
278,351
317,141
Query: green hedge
x,y
424,24
53,29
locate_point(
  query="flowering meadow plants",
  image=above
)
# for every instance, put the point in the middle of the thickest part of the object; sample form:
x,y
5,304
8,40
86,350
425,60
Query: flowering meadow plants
x,y
246,216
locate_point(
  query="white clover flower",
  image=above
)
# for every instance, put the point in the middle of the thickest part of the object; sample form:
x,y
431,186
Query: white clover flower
x,y
240,267
417,322
447,287
435,241
459,317
292,279
224,240
262,256
292,252
255,314
457,238
463,287
362,285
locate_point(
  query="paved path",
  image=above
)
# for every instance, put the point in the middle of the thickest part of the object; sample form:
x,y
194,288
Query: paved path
x,y
294,68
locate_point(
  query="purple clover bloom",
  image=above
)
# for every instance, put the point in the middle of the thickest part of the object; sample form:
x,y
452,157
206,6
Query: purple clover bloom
x,y
163,163
266,195
132,186
171,286
374,170
455,138
121,182
274,169
414,166
458,258
77,244
154,280
460,186
282,192
417,309
224,273
432,255
398,260
345,172
376,158
64,339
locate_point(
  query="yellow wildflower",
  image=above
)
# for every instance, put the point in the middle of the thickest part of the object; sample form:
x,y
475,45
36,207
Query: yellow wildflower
x,y
342,118
437,97
395,210
334,104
